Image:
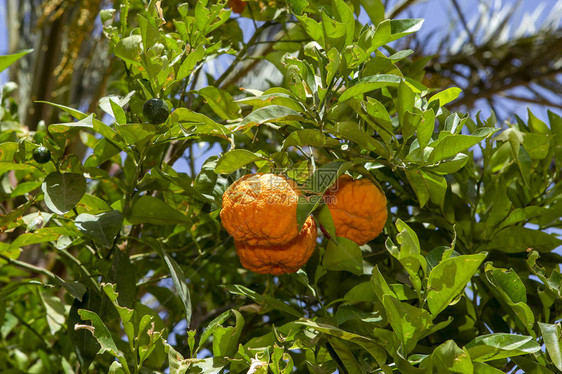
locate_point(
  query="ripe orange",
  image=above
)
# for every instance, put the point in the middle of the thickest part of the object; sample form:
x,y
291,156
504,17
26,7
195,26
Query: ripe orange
x,y
237,6
358,209
279,259
261,209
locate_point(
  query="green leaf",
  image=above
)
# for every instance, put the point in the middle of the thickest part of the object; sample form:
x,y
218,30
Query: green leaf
x,y
446,96
148,209
56,314
450,145
497,346
270,113
551,336
277,98
113,105
305,206
410,253
102,335
425,128
428,186
346,356
354,132
63,191
482,368
8,60
536,125
139,134
83,342
103,227
43,235
515,239
510,291
235,159
344,14
125,313
203,124
178,277
309,137
225,339
383,123
98,126
297,6
262,299
402,27
408,322
220,102
530,366
449,278
405,103
8,166
129,49
190,61
374,9
449,358
451,165
376,350
536,145
369,84
325,176
312,28
343,254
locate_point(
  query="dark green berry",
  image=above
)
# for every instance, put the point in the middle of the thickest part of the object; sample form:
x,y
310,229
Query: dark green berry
x,y
42,155
155,111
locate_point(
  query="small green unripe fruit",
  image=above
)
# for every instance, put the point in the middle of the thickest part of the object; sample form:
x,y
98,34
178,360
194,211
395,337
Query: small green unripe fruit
x,y
156,111
41,155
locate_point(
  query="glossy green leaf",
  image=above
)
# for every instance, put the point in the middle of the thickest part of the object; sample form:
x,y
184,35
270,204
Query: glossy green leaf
x,y
511,292
263,299
449,278
84,344
202,123
343,255
551,335
235,159
178,278
129,49
369,84
496,346
102,335
221,102
374,9
515,239
225,339
408,322
297,6
449,358
325,176
450,145
446,96
148,209
428,186
103,227
309,137
63,191
271,113
376,350
8,60
192,59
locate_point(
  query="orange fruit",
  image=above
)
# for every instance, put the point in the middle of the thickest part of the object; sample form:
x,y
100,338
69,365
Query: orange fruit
x,y
237,6
358,209
279,259
261,209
